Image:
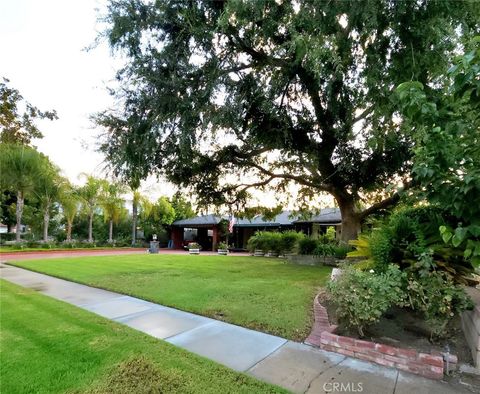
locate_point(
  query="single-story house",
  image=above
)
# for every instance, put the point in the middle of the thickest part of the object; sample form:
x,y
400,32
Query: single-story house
x,y
206,229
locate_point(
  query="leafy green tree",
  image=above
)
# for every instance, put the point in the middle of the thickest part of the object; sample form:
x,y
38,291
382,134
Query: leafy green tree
x,y
17,116
163,211
183,208
90,196
112,205
445,123
226,96
20,168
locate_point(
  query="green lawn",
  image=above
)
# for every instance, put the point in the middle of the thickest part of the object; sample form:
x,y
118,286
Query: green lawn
x,y
266,294
48,346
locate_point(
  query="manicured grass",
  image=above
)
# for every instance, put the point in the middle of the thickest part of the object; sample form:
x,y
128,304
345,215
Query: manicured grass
x,y
48,346
266,294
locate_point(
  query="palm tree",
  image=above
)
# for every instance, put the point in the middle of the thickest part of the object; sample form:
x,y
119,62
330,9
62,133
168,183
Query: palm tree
x,y
90,195
70,202
134,184
20,167
112,205
47,191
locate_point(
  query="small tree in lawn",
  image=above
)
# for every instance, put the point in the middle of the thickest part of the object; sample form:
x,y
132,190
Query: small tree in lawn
x,y
20,168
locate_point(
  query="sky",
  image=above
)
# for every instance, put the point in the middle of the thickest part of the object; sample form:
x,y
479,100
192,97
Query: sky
x,y
43,52
44,55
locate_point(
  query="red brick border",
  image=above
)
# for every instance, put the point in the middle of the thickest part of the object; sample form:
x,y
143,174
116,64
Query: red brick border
x,y
410,360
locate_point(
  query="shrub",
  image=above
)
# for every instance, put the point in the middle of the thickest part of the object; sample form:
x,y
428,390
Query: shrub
x,y
222,245
341,251
7,237
437,298
265,240
404,237
322,249
274,242
290,239
307,245
258,241
362,297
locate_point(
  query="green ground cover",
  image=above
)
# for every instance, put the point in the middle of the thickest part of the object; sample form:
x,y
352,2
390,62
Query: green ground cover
x,y
48,346
265,294
16,249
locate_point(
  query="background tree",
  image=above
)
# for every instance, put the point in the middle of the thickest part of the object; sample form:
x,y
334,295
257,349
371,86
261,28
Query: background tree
x,y
90,195
17,116
20,168
47,191
271,93
112,205
163,211
134,184
183,208
69,201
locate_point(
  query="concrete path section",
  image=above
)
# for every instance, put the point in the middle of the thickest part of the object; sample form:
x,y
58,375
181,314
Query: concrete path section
x,y
297,367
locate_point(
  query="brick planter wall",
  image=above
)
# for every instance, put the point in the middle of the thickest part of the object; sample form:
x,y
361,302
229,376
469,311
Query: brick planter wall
x,y
410,360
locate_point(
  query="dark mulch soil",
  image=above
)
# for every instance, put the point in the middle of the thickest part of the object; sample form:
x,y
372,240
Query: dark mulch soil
x,y
406,329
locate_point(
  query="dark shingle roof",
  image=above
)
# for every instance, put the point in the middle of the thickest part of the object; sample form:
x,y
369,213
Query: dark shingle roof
x,y
206,220
285,218
326,215
282,219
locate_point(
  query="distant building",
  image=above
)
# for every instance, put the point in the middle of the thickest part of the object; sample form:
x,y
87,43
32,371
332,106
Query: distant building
x,y
205,229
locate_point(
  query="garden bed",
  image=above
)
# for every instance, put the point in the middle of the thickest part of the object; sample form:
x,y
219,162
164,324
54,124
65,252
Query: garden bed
x,y
400,339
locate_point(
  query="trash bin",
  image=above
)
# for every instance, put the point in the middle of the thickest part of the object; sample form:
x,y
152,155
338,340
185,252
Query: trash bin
x,y
153,247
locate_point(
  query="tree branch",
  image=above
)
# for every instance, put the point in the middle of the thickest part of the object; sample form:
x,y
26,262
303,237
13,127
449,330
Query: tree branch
x,y
386,203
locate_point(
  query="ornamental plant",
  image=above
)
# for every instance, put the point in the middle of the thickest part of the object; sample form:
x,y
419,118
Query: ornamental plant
x,y
437,298
362,297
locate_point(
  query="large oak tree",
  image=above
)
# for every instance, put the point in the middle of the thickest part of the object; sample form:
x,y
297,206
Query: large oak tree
x,y
224,96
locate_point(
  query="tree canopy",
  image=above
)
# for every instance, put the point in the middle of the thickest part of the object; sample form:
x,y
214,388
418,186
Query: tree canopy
x,y
225,96
17,116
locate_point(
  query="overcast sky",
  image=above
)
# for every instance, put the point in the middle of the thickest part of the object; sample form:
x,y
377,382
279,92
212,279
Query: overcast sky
x,y
43,54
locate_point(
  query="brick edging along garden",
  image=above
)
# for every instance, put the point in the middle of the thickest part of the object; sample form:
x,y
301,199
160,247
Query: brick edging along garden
x,y
410,360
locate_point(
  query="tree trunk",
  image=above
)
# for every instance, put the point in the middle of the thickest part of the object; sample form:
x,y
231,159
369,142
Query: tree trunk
x,y
134,223
69,231
19,213
110,231
90,228
46,221
351,220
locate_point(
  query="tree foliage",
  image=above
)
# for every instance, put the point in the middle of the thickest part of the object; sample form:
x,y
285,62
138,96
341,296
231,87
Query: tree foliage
x,y
20,169
446,125
17,116
226,96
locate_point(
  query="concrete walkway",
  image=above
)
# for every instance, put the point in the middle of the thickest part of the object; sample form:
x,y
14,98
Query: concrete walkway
x,y
294,366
